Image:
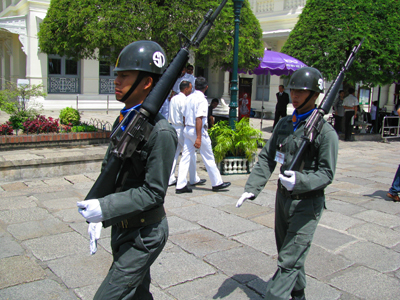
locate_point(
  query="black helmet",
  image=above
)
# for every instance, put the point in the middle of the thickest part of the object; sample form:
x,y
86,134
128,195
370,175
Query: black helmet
x,y
145,56
307,78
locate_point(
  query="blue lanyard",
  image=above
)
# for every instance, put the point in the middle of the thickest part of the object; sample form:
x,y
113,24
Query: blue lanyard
x,y
297,119
123,113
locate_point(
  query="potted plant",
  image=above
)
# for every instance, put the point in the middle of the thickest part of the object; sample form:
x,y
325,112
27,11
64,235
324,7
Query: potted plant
x,y
235,149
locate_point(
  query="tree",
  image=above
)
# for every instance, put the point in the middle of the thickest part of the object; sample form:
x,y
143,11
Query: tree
x,y
327,31
14,98
87,28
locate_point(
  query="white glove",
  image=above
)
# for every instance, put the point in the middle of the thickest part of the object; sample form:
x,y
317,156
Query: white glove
x,y
288,182
94,231
90,210
243,198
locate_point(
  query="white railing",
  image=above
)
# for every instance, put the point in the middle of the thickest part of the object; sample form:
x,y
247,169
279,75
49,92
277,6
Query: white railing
x,y
390,127
264,6
289,4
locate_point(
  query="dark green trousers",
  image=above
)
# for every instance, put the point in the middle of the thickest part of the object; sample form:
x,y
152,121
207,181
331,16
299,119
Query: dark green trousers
x,y
134,251
295,224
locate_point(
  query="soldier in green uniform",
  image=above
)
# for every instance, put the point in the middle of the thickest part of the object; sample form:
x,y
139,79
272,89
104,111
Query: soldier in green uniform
x,y
136,213
300,195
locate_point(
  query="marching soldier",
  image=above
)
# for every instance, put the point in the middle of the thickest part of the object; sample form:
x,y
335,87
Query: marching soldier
x,y
136,213
300,195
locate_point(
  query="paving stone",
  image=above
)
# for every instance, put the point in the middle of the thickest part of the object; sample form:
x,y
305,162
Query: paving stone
x,y
342,207
42,289
87,292
15,186
190,267
229,225
265,220
373,256
23,215
348,197
74,179
338,221
388,206
35,183
374,285
57,246
358,180
60,203
215,199
57,181
317,290
69,215
9,247
159,294
17,270
178,225
17,202
81,270
321,263
248,210
202,242
377,234
331,239
262,240
244,261
198,212
379,218
56,194
35,229
171,202
213,287
351,187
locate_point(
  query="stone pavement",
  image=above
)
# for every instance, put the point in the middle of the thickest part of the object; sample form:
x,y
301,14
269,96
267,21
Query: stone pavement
x,y
215,250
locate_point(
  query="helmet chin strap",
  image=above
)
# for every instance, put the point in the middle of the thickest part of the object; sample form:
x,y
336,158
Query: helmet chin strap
x,y
139,78
307,99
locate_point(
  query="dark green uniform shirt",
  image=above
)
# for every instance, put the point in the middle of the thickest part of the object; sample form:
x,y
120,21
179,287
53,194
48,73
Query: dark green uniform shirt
x,y
319,162
148,177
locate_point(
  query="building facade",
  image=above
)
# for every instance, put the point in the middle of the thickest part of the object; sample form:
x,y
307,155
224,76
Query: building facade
x,y
88,84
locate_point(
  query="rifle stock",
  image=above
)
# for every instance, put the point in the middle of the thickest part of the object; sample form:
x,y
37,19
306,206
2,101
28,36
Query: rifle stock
x,y
315,122
125,142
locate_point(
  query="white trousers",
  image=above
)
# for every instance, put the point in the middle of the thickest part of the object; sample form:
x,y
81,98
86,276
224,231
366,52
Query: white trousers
x,y
189,154
193,178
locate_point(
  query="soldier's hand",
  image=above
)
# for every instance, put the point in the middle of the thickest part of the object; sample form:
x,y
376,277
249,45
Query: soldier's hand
x,y
94,231
288,180
90,210
197,143
243,198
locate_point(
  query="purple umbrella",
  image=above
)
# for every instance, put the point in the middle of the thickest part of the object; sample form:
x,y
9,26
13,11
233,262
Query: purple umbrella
x,y
276,63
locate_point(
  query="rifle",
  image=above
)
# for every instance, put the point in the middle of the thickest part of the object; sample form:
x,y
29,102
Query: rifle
x,y
125,142
315,122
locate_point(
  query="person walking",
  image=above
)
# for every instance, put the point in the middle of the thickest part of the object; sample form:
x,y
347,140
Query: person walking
x,y
282,99
300,195
339,112
176,120
394,190
196,137
136,212
350,104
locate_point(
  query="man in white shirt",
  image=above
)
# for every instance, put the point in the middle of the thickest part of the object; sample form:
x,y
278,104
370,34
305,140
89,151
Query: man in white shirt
x,y
176,119
350,104
196,136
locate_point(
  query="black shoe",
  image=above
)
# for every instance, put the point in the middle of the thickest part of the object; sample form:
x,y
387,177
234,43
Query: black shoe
x,y
221,186
201,181
185,189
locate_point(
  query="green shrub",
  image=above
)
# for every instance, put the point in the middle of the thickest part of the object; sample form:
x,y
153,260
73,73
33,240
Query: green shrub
x,y
83,128
19,118
70,116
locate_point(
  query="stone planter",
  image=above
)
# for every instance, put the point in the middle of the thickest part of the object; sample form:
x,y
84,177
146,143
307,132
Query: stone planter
x,y
235,165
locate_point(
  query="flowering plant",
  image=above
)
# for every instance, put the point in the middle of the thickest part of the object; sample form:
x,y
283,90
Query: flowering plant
x,y
41,125
6,129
